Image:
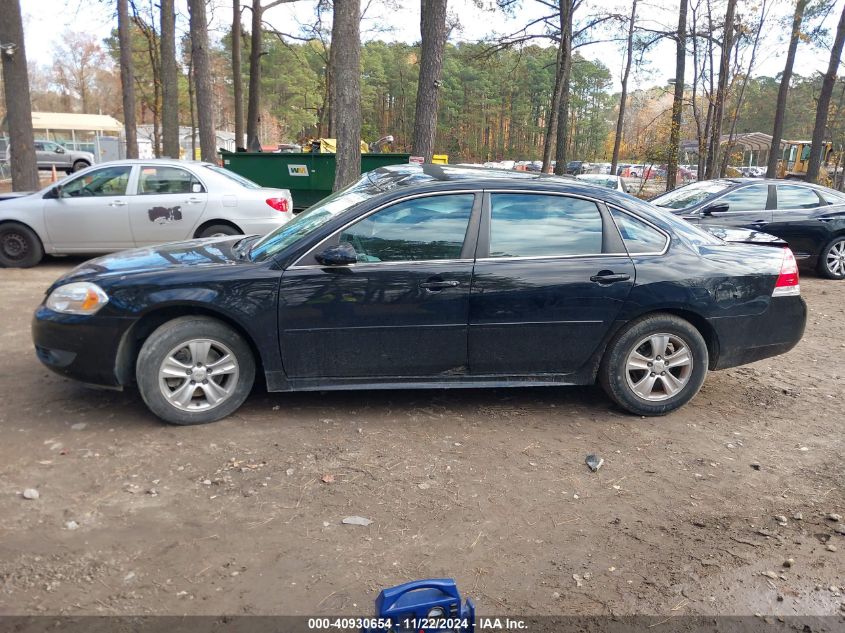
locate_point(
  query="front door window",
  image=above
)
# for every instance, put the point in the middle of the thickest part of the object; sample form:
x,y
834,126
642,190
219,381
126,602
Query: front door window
x,y
108,181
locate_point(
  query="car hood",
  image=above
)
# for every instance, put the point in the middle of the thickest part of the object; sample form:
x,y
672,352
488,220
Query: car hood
x,y
201,253
743,236
14,195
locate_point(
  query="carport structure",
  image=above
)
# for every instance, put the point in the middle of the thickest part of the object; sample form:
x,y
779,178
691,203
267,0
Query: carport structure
x,y
755,147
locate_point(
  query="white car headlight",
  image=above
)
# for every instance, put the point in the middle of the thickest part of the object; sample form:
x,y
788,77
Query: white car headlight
x,y
79,297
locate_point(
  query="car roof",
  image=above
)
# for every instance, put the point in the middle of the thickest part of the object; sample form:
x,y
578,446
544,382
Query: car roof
x,y
405,175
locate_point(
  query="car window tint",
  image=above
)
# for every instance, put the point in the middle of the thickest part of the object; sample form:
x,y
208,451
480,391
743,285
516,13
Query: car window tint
x,y
797,197
638,236
109,181
418,229
163,179
536,225
751,198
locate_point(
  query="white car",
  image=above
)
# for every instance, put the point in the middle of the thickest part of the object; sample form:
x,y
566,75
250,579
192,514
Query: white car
x,y
129,203
607,181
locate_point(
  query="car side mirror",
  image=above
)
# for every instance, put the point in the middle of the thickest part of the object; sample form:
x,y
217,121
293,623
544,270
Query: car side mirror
x,y
719,207
338,255
60,150
54,193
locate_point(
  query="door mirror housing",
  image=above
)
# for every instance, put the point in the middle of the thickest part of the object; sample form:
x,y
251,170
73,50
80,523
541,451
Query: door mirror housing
x,y
338,255
719,207
60,150
54,193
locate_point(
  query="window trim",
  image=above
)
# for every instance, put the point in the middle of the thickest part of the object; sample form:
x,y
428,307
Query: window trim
x,y
601,207
472,224
143,166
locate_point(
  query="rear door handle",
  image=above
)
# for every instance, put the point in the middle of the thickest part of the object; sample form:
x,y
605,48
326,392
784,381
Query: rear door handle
x,y
118,203
609,278
193,201
439,284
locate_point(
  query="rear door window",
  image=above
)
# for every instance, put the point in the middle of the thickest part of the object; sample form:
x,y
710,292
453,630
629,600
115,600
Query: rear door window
x,y
797,197
164,179
539,225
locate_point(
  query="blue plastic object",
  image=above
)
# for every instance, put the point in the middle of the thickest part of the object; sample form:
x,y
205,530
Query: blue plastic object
x,y
432,606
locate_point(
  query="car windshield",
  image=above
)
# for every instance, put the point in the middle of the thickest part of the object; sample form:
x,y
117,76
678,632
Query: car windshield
x,y
243,182
690,195
313,218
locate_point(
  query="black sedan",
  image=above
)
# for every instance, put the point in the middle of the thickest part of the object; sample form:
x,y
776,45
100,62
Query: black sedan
x,y
428,276
810,218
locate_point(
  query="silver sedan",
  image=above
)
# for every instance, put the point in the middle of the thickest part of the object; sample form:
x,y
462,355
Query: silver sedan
x,y
129,203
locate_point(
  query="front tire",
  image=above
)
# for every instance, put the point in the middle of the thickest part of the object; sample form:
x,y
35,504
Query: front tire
x,y
832,259
80,165
654,365
20,247
194,370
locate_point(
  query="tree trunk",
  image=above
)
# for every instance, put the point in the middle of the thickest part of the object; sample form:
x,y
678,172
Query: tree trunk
x,y
678,100
620,122
565,8
783,90
253,112
713,163
16,92
346,46
820,126
551,123
127,78
433,30
169,81
202,80
237,81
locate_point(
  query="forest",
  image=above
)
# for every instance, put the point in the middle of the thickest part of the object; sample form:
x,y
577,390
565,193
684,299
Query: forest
x,y
536,93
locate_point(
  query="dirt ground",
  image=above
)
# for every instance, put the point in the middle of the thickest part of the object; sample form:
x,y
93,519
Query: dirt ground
x,y
487,486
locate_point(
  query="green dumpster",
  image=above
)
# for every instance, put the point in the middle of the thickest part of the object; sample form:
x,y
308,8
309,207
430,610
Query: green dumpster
x,y
309,177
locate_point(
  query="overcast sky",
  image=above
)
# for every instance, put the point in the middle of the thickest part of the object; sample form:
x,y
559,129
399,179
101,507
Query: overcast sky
x,y
47,20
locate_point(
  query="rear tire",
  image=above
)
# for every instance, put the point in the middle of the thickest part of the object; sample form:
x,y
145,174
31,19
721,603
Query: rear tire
x,y
20,247
654,365
194,370
218,230
832,259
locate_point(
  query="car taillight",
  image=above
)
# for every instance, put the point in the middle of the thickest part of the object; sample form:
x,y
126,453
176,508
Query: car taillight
x,y
279,204
787,283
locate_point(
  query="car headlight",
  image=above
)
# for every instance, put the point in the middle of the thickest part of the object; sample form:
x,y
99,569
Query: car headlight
x,y
79,297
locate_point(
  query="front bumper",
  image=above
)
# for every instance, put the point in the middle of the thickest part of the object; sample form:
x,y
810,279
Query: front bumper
x,y
85,348
746,339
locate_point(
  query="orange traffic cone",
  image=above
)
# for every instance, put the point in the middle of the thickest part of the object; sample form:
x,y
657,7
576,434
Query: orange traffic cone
x,y
53,176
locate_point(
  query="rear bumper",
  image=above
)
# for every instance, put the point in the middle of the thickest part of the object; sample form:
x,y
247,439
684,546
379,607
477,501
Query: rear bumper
x,y
83,348
746,339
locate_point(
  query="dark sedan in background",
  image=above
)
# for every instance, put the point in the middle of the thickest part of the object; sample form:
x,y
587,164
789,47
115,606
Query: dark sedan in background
x,y
810,218
428,276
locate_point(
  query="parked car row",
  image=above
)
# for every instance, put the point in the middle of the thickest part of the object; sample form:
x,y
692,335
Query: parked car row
x,y
131,203
810,218
424,276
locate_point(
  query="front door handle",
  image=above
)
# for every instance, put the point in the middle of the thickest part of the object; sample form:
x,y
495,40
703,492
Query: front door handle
x,y
759,223
609,278
439,284
118,203
193,201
